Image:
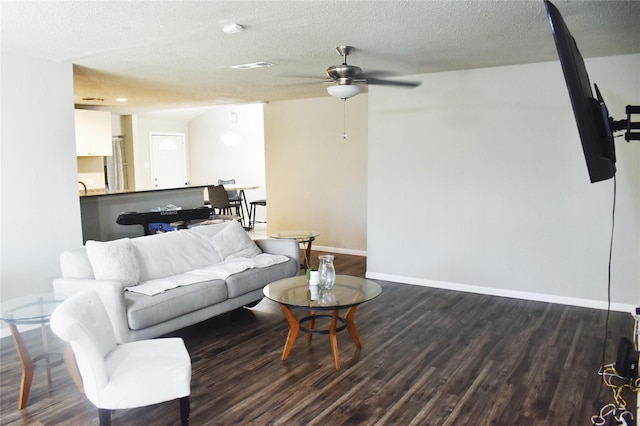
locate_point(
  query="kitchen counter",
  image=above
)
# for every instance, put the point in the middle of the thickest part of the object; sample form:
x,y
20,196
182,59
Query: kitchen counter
x,y
102,192
99,211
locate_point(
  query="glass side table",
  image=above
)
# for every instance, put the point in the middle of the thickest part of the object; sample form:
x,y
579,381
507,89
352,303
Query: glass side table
x,y
35,309
302,237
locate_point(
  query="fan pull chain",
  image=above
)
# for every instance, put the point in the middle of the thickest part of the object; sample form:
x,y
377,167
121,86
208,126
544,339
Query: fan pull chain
x,y
344,118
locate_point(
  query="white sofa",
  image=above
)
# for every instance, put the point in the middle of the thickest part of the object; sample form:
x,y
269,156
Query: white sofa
x,y
157,284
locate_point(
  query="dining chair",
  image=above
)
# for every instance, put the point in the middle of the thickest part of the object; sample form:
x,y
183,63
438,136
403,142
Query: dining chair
x,y
233,195
129,375
219,199
235,199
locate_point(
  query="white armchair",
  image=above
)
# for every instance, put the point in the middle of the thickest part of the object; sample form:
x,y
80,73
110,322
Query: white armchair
x,y
123,376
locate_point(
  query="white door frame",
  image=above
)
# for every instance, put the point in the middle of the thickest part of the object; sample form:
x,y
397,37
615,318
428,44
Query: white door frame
x,y
151,159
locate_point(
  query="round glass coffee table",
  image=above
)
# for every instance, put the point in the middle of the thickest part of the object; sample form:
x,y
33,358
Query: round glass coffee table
x,y
34,309
347,293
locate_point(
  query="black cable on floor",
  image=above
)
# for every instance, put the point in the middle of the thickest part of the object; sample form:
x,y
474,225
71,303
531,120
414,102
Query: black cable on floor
x,y
606,326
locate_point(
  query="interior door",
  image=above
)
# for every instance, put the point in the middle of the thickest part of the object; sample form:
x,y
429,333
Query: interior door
x,y
168,160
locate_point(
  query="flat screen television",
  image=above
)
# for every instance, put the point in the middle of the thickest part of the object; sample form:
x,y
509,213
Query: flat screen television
x,y
590,112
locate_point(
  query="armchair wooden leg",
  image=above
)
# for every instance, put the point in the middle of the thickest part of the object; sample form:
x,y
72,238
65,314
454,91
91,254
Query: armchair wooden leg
x,y
185,410
105,416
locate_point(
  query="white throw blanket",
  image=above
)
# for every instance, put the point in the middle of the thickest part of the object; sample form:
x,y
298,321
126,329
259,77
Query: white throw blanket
x,y
220,270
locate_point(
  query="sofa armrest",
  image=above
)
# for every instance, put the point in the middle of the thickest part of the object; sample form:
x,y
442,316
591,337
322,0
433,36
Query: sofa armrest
x,y
285,247
112,295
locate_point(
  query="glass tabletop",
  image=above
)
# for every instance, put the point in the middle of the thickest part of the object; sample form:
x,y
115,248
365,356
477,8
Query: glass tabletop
x,y
347,291
32,309
296,235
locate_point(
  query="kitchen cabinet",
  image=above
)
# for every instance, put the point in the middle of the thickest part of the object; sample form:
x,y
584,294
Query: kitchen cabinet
x,y
93,133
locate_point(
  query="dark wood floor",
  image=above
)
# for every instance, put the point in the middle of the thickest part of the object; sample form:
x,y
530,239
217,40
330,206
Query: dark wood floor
x,y
429,357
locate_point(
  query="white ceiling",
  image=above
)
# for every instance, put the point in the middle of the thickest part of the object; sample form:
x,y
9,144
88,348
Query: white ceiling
x,y
173,54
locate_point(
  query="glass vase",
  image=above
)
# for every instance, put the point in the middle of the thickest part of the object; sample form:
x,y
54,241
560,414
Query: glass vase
x,y
326,272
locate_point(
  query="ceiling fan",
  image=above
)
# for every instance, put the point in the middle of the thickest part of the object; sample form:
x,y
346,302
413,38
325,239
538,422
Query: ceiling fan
x,y
348,77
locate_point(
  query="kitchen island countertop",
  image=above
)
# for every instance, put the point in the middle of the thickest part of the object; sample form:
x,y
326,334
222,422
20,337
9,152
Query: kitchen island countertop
x,y
105,193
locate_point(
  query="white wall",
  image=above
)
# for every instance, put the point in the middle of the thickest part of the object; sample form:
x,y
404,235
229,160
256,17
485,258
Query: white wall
x,y
317,180
38,187
490,163
243,160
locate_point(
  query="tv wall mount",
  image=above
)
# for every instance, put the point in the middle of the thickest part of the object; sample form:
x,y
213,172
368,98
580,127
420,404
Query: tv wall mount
x,y
627,125
617,126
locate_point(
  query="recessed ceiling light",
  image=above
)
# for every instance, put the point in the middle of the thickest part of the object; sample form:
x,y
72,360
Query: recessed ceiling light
x,y
232,28
121,99
253,65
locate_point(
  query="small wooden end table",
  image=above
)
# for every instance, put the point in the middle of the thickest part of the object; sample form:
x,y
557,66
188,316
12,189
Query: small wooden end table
x,y
302,237
347,293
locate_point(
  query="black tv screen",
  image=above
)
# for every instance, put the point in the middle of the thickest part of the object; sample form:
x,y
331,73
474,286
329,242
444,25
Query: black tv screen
x,y
590,113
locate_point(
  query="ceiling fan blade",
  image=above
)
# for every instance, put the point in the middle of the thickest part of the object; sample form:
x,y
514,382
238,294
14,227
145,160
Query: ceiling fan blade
x,y
398,83
377,74
307,80
305,76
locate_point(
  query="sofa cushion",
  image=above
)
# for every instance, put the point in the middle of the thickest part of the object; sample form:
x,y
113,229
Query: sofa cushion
x,y
220,271
233,241
75,263
173,253
113,260
145,311
253,279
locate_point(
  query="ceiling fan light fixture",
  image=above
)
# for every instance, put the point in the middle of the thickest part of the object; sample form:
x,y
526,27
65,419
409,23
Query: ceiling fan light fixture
x,y
343,91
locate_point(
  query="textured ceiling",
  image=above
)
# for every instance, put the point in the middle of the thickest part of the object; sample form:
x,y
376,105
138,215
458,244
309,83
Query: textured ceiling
x,y
173,54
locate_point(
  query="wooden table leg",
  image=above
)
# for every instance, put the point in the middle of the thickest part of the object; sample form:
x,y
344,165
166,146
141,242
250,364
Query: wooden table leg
x,y
45,350
27,366
351,326
294,328
72,368
312,323
307,252
334,340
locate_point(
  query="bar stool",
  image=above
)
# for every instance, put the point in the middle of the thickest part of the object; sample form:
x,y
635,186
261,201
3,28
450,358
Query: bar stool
x,y
252,211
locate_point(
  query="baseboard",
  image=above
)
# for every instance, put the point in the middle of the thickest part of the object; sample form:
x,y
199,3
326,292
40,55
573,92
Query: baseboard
x,y
513,294
339,250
